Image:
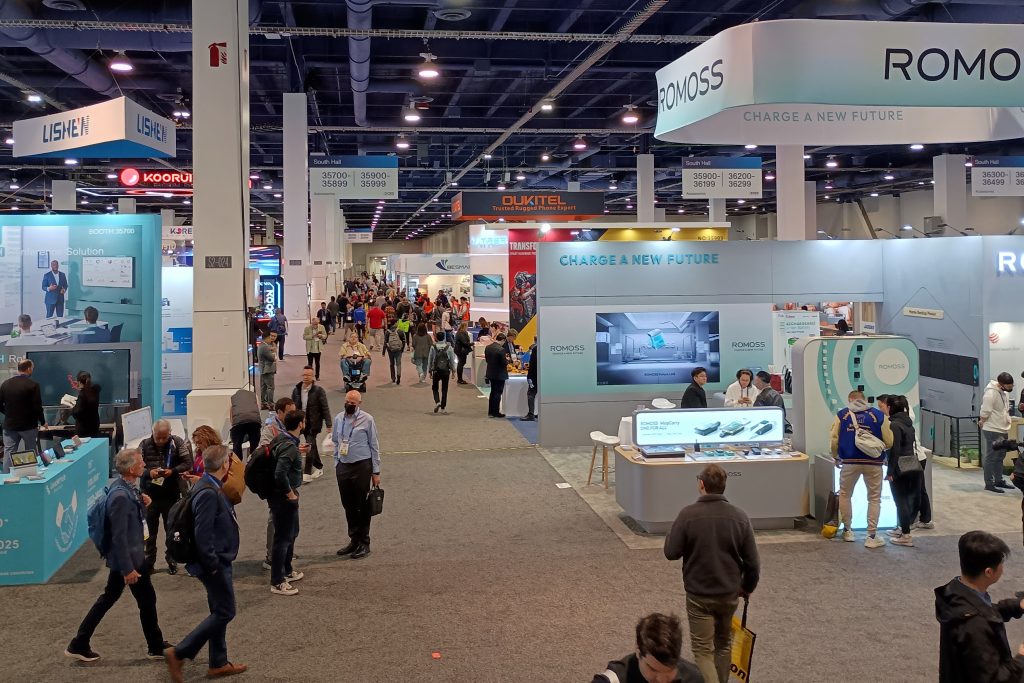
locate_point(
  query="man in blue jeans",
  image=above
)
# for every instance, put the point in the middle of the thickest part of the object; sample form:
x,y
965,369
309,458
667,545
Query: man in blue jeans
x,y
216,536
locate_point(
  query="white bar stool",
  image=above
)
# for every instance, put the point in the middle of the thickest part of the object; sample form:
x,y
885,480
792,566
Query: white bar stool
x,y
663,404
604,441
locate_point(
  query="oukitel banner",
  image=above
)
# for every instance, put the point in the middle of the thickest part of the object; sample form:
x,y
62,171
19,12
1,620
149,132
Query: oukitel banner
x,y
528,205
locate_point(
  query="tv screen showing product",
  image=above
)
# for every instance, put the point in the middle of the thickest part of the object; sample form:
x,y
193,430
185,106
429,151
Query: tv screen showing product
x,y
656,348
488,286
108,271
110,369
708,426
266,259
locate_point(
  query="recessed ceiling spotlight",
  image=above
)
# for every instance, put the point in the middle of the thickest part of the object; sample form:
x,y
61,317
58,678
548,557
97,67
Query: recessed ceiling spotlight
x,y
428,69
121,63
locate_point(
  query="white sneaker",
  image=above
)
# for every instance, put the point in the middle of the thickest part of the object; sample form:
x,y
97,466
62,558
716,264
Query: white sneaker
x,y
318,472
284,588
266,565
904,540
924,525
296,575
306,478
848,536
895,533
874,542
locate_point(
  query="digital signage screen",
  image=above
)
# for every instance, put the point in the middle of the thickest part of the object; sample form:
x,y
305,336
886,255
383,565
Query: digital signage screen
x,y
708,426
661,347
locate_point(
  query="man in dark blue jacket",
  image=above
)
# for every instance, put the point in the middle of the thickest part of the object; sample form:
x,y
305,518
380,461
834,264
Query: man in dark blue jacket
x,y
126,560
216,536
284,503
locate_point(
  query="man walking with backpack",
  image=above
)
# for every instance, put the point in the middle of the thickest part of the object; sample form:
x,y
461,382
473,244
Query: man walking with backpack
x,y
271,428
394,344
122,531
860,436
284,503
441,362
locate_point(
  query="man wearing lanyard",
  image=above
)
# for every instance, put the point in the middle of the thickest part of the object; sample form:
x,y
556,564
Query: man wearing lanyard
x,y
166,457
357,460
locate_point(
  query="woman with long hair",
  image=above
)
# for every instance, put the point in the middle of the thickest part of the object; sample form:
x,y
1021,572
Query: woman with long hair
x,y
87,408
463,347
904,472
203,437
421,343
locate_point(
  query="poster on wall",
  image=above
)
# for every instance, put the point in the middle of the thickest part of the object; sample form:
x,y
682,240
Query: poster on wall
x,y
787,327
1006,348
659,347
176,339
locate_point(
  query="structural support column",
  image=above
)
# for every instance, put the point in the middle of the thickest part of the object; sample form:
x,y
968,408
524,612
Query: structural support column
x,y
811,209
62,195
322,212
950,191
125,205
220,91
716,211
644,188
790,194
296,268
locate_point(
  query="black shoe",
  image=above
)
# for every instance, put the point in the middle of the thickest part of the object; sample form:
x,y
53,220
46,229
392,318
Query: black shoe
x,y
993,489
462,381
159,652
361,552
82,654
528,418
172,569
1003,484
349,549
499,415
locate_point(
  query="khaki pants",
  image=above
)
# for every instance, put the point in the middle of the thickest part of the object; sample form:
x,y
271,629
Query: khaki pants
x,y
848,476
375,338
711,635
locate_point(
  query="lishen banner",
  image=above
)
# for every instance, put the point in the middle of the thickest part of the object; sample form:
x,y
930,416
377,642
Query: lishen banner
x,y
550,205
118,129
809,82
722,178
997,177
354,177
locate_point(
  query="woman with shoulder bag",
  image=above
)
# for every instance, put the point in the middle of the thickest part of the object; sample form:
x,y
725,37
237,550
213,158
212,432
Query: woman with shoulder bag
x,y
904,469
463,347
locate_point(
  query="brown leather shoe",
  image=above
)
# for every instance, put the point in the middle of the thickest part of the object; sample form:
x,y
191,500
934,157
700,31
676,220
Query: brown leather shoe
x,y
175,665
228,669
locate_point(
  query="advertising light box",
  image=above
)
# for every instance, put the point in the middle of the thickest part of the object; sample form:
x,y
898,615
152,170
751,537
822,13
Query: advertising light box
x,y
707,426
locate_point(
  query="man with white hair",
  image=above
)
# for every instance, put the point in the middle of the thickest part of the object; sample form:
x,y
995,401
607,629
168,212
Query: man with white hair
x,y
167,458
125,559
357,466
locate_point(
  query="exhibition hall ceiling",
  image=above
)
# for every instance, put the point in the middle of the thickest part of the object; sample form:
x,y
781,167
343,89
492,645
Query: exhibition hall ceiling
x,y
496,61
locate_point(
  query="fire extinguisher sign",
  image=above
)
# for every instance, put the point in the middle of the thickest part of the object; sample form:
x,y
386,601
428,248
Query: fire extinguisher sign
x,y
218,54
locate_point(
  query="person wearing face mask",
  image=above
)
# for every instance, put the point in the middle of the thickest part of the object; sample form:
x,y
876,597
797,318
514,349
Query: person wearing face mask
x,y
742,393
658,657
357,466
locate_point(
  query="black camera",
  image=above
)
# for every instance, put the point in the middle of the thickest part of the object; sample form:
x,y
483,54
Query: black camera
x,y
1005,445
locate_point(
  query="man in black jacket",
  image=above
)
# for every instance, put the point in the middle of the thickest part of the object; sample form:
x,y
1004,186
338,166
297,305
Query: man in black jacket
x,y
496,374
720,564
658,657
126,560
167,458
22,406
311,399
284,503
531,382
694,396
972,639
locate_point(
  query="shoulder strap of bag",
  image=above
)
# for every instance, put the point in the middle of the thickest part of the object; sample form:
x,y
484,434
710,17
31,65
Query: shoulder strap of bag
x,y
611,676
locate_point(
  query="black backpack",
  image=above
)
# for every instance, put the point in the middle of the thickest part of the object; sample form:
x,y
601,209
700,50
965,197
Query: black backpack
x,y
181,528
442,363
259,471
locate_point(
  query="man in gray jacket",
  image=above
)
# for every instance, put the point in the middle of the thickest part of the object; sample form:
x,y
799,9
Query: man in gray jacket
x,y
720,564
267,355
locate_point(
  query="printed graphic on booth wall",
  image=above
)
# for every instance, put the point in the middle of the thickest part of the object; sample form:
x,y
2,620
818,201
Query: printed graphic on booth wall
x,y
656,348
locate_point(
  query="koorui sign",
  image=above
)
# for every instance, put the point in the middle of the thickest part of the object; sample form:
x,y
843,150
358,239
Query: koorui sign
x,y
846,82
119,128
546,204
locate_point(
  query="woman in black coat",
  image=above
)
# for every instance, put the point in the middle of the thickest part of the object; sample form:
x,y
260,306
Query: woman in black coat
x,y
87,408
906,485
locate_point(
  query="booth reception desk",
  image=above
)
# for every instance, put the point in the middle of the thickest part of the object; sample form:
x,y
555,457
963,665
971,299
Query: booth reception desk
x,y
44,522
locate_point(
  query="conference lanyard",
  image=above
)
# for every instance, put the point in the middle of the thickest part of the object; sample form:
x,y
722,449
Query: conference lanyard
x,y
350,431
169,445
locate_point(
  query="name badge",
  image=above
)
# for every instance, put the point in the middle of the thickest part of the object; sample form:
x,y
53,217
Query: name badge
x,y
159,481
343,448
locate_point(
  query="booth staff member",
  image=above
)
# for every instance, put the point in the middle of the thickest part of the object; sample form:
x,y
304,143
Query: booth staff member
x,y
694,396
22,406
55,284
742,392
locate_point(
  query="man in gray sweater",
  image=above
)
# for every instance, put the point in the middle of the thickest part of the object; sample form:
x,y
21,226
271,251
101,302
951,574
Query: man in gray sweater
x,y
720,564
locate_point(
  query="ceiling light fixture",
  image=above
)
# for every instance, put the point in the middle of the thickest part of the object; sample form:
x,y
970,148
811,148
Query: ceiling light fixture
x,y
14,184
580,143
917,147
268,186
612,185
121,63
34,98
769,176
831,163
631,116
9,141
749,146
874,194
401,142
741,201
520,175
969,163
411,115
501,187
547,106
545,157
71,162
252,176
428,69
545,227
907,227
807,157
111,176
889,176
487,156
277,195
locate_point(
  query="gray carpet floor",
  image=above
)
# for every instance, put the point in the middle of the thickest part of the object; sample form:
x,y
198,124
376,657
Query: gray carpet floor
x,y
481,558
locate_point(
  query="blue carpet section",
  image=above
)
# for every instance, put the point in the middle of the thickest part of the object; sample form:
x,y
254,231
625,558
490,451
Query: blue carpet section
x,y
529,430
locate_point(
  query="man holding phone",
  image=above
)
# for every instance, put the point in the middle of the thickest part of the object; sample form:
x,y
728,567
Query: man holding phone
x,y
167,457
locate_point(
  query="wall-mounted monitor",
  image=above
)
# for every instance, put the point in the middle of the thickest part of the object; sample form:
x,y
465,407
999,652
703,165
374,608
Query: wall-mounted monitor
x,y
137,425
108,271
708,426
661,347
110,369
488,286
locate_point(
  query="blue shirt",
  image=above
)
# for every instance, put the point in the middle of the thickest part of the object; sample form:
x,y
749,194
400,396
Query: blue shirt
x,y
360,431
986,598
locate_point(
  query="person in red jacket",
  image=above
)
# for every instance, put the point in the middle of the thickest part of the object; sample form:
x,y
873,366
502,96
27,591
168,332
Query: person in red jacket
x,y
376,317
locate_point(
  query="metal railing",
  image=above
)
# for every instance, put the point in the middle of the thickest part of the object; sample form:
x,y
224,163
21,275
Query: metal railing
x,y
950,436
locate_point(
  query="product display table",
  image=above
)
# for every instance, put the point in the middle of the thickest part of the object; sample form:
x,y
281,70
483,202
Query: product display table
x,y
513,399
772,491
43,522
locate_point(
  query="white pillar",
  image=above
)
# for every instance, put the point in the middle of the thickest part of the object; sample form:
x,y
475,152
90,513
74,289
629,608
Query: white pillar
x,y
62,195
716,211
811,209
950,191
220,93
322,214
791,198
126,205
269,226
167,217
644,188
296,268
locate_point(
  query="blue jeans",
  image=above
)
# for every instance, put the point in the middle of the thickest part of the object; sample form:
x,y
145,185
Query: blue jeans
x,y
220,595
344,367
12,439
421,367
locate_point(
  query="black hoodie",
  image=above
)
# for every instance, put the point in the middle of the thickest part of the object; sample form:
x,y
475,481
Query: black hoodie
x,y
972,639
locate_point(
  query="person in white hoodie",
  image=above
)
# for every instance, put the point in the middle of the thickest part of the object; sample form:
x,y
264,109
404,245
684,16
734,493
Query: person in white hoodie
x,y
995,425
742,392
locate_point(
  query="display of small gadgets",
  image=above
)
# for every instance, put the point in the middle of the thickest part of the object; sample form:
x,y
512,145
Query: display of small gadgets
x,y
670,432
704,430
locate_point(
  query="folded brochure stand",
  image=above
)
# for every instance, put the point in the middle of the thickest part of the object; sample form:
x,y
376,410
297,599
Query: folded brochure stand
x,y
742,646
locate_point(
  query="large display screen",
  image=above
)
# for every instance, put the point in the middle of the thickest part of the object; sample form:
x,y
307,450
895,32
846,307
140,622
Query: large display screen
x,y
266,259
656,347
708,426
488,286
111,369
108,271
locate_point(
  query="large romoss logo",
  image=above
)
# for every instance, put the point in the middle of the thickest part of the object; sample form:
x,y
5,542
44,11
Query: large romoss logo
x,y
567,349
892,366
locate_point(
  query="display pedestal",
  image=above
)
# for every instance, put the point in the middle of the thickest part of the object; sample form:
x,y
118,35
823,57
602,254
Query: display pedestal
x,y
210,407
826,480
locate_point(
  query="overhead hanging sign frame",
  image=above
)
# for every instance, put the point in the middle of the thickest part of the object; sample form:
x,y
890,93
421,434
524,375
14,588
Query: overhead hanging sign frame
x,y
811,82
722,178
354,177
549,205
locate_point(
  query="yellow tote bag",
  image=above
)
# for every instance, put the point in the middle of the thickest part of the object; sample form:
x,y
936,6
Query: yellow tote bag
x,y
742,646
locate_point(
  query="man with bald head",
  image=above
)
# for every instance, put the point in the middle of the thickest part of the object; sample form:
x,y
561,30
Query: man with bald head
x,y
357,466
167,457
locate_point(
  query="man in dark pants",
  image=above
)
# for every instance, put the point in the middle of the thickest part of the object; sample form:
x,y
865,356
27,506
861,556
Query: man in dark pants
x,y
126,560
441,362
216,536
167,457
531,381
496,374
22,406
284,503
245,421
357,458
311,399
